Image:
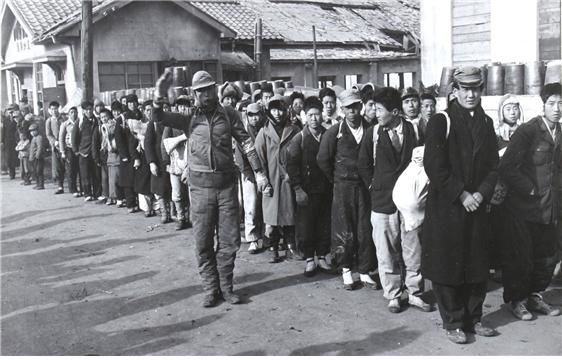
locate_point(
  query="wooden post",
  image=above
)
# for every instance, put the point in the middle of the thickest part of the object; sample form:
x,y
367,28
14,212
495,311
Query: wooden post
x,y
258,50
315,63
87,52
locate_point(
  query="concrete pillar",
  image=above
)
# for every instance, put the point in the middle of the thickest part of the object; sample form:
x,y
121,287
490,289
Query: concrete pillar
x,y
374,73
36,67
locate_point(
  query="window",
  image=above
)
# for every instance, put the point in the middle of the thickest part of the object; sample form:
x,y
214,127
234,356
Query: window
x,y
399,80
351,80
326,81
121,75
21,38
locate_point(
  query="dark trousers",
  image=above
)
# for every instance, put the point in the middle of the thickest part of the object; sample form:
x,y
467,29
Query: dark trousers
x,y
97,183
460,306
130,197
313,225
71,163
88,175
213,208
352,245
104,177
38,171
529,257
274,233
58,167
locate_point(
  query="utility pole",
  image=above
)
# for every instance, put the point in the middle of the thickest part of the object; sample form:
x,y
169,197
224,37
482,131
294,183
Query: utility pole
x,y
87,52
257,49
315,63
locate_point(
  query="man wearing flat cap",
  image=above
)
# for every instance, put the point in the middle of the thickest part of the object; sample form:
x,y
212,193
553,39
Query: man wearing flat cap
x,y
83,144
212,180
461,160
531,169
352,246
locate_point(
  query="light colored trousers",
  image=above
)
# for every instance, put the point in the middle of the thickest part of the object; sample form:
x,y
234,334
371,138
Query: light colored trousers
x,y
399,255
253,220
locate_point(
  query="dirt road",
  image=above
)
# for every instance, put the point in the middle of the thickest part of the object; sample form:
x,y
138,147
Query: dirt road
x,y
84,279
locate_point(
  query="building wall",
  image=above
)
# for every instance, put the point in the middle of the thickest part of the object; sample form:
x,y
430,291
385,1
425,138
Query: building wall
x,y
301,73
471,26
549,29
136,33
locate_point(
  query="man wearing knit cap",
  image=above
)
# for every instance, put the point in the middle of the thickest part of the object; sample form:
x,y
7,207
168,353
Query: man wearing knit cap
x,y
352,247
229,94
212,180
461,159
531,169
253,215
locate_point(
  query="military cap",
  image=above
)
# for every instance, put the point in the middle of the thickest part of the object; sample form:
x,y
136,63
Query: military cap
x,y
349,97
201,80
468,76
146,103
409,92
32,127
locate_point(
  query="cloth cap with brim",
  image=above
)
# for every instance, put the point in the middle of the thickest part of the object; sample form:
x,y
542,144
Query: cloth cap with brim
x,y
468,76
201,80
277,102
132,98
550,89
349,97
147,102
98,102
13,107
409,92
253,108
86,104
32,127
182,100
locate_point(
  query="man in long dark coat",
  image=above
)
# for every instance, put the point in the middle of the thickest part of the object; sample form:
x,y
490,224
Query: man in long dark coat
x,y
461,161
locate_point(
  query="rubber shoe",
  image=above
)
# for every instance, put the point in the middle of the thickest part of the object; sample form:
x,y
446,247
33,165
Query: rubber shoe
x,y
419,303
231,298
368,282
482,330
457,336
536,303
310,268
211,300
520,311
253,248
394,306
347,279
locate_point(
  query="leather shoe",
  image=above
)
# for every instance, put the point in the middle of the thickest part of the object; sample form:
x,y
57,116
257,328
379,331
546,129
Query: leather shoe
x,y
275,257
457,336
211,300
482,330
231,297
394,306
59,191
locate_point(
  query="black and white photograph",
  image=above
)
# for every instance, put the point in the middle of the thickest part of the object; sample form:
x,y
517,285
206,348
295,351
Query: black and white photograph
x,y
281,178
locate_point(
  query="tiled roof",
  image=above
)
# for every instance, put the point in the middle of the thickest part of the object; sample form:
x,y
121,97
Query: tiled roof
x,y
342,21
290,54
41,15
236,16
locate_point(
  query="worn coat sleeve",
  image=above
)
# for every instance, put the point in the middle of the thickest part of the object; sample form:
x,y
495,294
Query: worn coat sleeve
x,y
243,138
150,144
365,161
165,134
49,131
261,151
436,160
327,152
510,165
76,137
173,120
294,161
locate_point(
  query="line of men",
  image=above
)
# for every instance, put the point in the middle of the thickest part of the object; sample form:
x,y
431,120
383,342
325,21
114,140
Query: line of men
x,y
341,177
323,183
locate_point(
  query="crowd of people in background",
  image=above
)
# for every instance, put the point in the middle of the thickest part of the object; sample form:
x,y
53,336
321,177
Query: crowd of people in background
x,y
371,183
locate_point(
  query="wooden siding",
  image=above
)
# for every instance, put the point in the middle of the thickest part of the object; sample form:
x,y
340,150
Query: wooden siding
x,y
471,32
549,30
